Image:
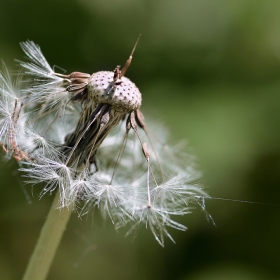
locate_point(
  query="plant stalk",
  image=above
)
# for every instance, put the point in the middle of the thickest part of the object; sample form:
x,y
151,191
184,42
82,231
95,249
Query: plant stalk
x,y
49,239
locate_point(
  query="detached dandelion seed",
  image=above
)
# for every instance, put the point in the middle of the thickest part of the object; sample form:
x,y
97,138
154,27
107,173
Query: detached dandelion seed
x,y
86,139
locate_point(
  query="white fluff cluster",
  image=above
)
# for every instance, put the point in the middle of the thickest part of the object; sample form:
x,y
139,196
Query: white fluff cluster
x,y
127,181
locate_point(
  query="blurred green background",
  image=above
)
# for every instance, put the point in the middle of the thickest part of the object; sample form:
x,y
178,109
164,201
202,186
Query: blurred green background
x,y
210,70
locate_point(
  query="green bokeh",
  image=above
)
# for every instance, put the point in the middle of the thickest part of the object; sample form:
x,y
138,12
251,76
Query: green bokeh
x,y
209,70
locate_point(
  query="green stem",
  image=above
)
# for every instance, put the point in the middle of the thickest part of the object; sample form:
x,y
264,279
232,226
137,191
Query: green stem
x,y
48,242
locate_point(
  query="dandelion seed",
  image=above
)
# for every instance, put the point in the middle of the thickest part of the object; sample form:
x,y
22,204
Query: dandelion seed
x,y
85,136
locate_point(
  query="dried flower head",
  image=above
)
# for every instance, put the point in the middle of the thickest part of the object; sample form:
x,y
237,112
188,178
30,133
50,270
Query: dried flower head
x,y
86,136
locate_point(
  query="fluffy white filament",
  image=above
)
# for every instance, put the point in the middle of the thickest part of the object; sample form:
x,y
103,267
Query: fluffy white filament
x,y
36,115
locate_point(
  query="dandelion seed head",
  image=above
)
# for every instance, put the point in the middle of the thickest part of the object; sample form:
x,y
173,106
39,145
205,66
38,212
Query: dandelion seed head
x,y
84,136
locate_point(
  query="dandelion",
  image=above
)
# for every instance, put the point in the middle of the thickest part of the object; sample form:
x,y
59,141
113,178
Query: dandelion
x,y
86,139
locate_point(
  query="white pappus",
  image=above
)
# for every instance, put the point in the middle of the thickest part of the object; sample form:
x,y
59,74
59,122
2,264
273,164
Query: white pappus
x,y
85,136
